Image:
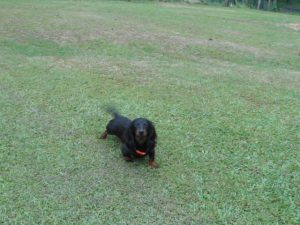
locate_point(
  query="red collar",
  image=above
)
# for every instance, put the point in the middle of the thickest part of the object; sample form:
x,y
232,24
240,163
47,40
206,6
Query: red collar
x,y
139,152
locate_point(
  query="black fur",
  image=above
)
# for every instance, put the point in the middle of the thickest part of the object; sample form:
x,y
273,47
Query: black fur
x,y
139,134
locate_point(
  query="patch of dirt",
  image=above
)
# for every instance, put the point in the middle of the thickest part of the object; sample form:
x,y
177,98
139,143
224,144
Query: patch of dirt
x,y
170,5
81,63
140,70
226,45
86,26
193,5
294,26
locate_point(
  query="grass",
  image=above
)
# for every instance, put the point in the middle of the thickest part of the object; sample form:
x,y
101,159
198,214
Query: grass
x,y
221,85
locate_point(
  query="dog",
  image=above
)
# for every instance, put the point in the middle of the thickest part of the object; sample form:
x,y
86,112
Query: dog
x,y
138,136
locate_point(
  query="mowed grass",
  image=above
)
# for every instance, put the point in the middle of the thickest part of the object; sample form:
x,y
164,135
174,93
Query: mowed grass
x,y
221,85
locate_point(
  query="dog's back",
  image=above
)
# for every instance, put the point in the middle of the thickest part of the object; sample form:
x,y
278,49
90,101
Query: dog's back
x,y
118,125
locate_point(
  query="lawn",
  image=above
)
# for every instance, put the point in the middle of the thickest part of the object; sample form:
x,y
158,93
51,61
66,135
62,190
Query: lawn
x,y
222,86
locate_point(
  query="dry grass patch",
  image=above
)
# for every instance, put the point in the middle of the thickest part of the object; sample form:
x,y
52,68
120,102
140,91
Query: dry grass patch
x,y
294,26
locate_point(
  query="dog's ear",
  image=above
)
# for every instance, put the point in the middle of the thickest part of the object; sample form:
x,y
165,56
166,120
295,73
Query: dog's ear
x,y
129,137
152,133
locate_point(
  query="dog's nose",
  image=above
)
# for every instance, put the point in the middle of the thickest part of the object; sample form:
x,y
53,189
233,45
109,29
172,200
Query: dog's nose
x,y
141,132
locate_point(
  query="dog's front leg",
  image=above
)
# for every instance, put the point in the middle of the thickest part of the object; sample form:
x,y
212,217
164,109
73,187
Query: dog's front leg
x,y
152,162
126,153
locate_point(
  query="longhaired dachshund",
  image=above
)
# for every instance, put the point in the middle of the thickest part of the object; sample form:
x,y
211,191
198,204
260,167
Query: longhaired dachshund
x,y
138,137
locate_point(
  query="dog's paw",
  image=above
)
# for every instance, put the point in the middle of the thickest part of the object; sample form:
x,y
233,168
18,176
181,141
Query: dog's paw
x,y
128,159
104,135
153,164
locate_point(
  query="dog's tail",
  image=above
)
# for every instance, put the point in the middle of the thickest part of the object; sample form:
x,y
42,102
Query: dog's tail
x,y
113,111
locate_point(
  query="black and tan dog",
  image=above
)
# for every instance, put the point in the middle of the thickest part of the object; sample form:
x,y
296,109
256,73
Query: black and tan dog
x,y
138,137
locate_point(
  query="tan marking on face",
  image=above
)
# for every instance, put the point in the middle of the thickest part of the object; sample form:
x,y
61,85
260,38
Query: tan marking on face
x,y
141,139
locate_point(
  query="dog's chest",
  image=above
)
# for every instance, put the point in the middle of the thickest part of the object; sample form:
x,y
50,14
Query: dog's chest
x,y
141,146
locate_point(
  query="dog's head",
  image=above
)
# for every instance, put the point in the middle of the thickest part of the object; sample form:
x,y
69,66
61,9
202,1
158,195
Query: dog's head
x,y
141,131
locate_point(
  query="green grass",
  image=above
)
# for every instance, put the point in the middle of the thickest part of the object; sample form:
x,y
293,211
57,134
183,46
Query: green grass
x,y
226,112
